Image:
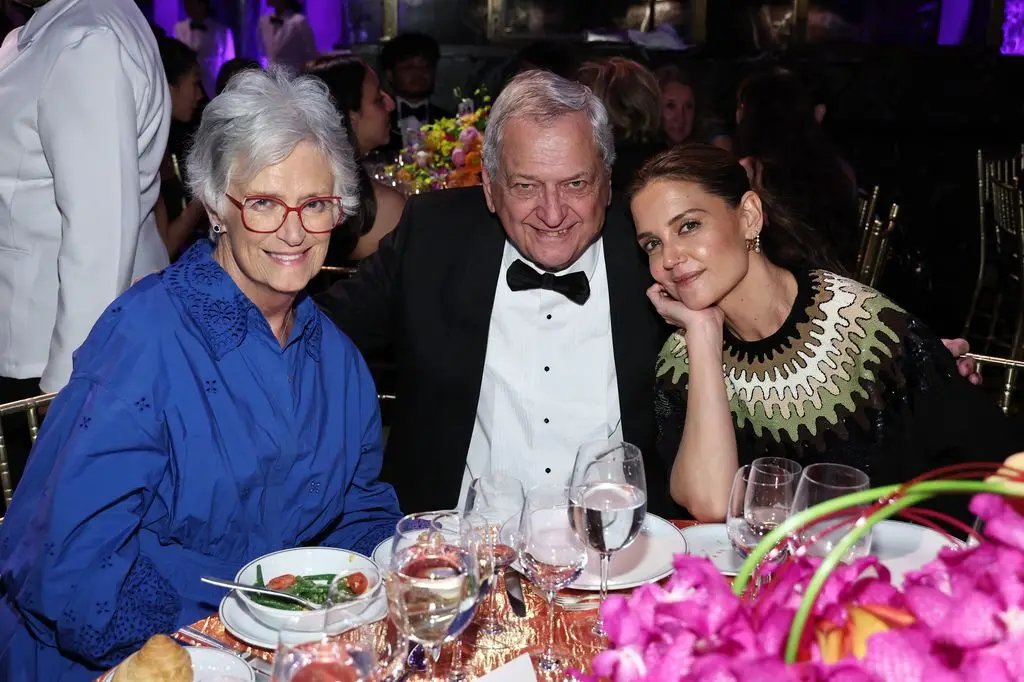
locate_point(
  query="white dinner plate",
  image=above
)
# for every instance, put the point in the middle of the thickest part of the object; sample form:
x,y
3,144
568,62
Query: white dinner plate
x,y
239,621
902,547
647,560
212,664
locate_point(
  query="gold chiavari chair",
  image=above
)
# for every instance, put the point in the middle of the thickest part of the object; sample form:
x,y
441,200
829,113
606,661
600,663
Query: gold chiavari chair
x,y
1008,219
1009,378
866,205
875,250
177,173
30,407
1007,170
339,272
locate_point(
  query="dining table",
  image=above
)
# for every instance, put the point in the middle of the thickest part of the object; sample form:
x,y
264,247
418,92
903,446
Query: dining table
x,y
478,658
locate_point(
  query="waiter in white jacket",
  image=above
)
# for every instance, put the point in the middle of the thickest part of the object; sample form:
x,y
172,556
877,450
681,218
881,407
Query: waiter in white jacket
x,y
85,109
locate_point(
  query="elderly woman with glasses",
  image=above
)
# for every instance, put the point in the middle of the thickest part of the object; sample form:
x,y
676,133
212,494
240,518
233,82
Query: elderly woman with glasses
x,y
214,414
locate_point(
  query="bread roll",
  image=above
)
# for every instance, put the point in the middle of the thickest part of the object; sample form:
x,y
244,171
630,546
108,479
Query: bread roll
x,y
161,659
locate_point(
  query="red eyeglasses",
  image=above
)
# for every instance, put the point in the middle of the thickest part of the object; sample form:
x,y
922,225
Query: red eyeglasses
x,y
266,214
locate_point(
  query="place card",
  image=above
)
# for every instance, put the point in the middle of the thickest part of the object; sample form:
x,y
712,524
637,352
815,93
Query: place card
x,y
517,670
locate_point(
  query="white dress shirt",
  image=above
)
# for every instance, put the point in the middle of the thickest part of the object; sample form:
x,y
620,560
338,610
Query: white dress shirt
x,y
85,111
214,45
289,43
549,381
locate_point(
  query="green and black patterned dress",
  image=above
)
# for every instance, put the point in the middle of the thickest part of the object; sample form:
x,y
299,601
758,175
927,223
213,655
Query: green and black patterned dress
x,y
850,377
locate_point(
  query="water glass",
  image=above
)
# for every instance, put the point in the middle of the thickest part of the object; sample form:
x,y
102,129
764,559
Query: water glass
x,y
608,503
552,555
821,483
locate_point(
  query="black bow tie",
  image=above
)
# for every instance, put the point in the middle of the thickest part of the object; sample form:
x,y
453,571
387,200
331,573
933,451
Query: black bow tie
x,y
422,112
197,25
574,286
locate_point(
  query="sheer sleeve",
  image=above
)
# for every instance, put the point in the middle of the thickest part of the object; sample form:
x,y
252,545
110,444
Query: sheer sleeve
x,y
669,413
70,550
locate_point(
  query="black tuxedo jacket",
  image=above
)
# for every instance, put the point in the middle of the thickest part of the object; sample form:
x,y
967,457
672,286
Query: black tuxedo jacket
x,y
429,291
395,140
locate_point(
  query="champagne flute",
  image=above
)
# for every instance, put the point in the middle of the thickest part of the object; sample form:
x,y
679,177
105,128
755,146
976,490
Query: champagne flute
x,y
608,503
337,650
552,555
496,499
434,583
820,483
741,537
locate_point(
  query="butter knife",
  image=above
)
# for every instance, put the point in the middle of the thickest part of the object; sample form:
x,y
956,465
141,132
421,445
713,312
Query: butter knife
x,y
514,590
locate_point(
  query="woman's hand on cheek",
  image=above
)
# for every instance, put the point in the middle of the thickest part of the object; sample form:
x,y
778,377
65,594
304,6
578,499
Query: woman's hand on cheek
x,y
678,315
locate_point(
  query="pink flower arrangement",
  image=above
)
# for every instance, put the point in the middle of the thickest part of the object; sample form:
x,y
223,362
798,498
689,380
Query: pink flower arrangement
x,y
959,619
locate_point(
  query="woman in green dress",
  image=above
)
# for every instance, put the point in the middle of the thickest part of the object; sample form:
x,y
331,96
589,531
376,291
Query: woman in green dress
x,y
817,367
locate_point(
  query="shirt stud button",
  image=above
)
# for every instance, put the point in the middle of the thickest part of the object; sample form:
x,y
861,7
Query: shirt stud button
x,y
547,471
549,316
546,420
547,369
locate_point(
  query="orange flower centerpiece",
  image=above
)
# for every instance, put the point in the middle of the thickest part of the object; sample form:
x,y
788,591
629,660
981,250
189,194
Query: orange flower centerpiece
x,y
446,153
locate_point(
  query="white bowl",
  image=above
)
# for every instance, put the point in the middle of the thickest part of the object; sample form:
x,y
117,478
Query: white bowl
x,y
309,561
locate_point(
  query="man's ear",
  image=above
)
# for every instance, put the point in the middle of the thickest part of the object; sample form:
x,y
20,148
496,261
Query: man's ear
x,y
819,112
486,179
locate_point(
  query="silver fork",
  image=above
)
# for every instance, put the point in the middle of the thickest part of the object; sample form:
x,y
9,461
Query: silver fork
x,y
259,666
574,603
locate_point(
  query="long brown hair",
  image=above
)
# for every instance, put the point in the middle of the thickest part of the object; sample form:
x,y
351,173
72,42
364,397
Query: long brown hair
x,y
785,241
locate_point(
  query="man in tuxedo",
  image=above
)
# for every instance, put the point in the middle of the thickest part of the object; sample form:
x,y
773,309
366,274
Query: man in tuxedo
x,y
517,310
409,61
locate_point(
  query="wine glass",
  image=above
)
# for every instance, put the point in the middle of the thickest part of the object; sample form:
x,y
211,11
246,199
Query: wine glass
x,y
608,503
741,537
768,500
820,483
434,583
496,499
337,650
552,555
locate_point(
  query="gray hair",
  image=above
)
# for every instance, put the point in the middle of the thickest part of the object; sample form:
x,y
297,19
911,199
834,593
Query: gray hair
x,y
541,97
256,122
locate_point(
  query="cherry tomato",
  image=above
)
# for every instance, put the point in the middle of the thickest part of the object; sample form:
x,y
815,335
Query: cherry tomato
x,y
282,582
357,582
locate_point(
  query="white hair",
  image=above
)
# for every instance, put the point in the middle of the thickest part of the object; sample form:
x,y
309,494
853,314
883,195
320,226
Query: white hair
x,y
256,122
541,97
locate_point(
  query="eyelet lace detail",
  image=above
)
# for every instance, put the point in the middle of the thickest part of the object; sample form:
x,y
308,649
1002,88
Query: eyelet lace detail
x,y
146,605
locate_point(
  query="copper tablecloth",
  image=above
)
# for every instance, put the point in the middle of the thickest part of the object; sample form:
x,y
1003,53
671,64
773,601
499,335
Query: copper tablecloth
x,y
527,632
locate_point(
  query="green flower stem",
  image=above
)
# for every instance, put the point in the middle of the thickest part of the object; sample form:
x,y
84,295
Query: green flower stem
x,y
912,495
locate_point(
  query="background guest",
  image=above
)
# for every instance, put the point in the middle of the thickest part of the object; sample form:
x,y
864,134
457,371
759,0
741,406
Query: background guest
x,y
286,37
364,107
232,67
789,155
178,218
631,96
683,116
409,62
212,41
214,415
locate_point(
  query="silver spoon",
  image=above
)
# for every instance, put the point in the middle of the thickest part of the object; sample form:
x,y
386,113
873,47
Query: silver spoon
x,y
241,587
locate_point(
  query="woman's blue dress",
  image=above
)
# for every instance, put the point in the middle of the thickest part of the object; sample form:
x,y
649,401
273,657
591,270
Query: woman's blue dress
x,y
187,443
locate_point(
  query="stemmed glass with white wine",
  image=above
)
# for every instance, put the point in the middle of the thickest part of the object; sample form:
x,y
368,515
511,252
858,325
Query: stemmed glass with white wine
x,y
435,580
608,504
552,556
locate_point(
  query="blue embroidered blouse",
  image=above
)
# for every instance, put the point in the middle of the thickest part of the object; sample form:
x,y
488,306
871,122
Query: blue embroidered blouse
x,y
188,442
